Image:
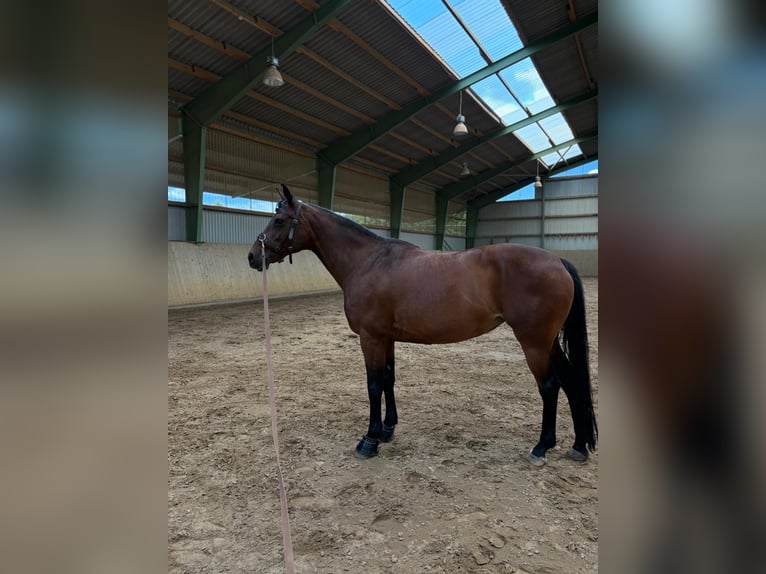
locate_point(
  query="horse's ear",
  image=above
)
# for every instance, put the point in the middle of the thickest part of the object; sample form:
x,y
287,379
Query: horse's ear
x,y
287,195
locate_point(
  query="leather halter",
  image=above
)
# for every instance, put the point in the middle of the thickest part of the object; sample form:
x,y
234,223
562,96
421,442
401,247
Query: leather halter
x,y
291,233
276,247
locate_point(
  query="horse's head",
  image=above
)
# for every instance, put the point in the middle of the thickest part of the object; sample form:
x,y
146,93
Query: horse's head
x,y
282,236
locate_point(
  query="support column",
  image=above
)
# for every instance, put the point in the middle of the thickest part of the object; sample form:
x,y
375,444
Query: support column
x,y
326,179
441,221
195,139
471,219
542,217
397,207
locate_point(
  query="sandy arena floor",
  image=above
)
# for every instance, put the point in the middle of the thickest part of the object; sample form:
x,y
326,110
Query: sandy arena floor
x,y
452,493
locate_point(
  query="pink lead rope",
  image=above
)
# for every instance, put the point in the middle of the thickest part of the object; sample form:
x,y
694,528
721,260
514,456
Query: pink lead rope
x,y
287,541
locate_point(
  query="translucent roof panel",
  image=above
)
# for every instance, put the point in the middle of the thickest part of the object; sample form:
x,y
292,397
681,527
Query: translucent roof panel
x,y
418,13
553,158
462,33
573,151
439,29
557,127
489,23
525,82
534,138
492,91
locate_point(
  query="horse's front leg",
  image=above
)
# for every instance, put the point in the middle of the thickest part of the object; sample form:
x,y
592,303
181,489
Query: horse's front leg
x,y
375,361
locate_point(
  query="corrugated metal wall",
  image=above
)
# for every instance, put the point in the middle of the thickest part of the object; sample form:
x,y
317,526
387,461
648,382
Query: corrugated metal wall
x,y
456,216
235,228
419,213
571,186
176,223
422,240
567,219
240,167
454,243
365,197
176,164
218,226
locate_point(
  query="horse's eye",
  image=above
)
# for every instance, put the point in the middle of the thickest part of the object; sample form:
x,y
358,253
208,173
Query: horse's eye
x,y
279,221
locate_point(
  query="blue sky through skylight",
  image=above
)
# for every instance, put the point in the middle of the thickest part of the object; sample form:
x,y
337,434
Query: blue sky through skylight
x,y
490,25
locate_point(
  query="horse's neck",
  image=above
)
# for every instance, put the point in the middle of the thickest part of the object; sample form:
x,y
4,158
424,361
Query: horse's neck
x,y
340,248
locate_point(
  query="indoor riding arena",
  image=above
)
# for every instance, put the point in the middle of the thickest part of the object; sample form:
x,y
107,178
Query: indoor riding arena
x,y
449,125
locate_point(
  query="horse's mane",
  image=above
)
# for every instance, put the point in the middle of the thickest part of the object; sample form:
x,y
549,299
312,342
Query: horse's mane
x,y
352,225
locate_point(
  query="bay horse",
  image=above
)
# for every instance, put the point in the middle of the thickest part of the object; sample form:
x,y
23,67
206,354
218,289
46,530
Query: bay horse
x,y
395,291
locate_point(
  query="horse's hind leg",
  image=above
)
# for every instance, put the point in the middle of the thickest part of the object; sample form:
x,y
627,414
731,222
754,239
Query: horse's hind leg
x,y
541,358
579,450
549,392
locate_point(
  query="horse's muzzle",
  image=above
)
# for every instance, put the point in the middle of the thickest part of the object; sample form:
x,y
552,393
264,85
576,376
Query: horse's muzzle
x,y
256,261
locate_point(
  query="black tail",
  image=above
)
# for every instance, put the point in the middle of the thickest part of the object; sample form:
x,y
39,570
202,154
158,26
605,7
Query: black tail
x,y
575,338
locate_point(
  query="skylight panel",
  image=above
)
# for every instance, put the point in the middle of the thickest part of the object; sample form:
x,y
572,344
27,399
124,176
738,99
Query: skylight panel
x,y
514,93
439,29
451,42
525,82
551,159
573,151
489,23
418,12
492,91
556,157
557,127
533,137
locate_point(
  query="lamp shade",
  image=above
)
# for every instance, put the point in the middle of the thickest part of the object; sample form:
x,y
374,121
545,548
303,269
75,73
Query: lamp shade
x,y
538,183
272,77
460,128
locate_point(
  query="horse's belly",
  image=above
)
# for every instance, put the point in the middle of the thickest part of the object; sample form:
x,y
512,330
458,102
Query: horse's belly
x,y
438,329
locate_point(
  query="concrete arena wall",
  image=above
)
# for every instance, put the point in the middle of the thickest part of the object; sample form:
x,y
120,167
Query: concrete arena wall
x,y
215,273
585,261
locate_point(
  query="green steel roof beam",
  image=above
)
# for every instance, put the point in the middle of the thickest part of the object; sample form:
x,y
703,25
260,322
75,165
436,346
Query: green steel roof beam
x,y
418,171
455,189
350,145
219,97
484,200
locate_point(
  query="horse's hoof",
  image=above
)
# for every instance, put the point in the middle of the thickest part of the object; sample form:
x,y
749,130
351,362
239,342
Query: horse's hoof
x,y
387,434
536,460
367,447
577,455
